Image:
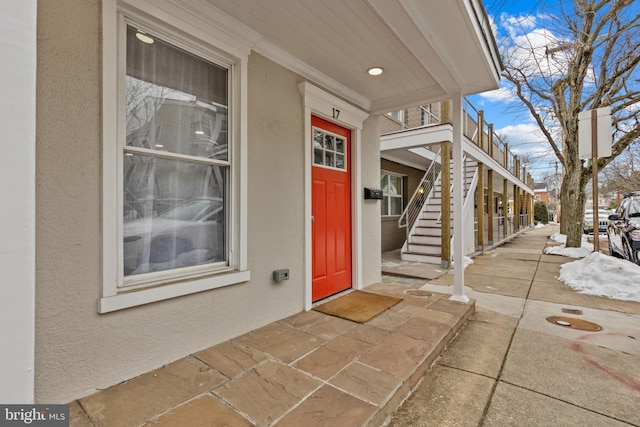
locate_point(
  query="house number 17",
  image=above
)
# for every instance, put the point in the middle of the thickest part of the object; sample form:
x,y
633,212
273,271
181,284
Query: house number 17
x,y
336,113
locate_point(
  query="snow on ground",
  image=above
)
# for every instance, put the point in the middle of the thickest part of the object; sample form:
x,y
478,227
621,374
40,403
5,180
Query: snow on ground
x,y
596,273
466,260
603,275
580,252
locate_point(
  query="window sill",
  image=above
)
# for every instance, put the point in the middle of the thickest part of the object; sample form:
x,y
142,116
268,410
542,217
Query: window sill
x,y
145,296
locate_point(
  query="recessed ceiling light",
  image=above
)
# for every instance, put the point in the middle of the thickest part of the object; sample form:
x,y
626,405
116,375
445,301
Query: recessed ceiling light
x,y
375,71
159,145
144,38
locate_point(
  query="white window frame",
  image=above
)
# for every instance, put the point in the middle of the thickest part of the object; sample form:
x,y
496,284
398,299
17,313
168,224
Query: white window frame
x,y
397,115
401,195
212,44
325,150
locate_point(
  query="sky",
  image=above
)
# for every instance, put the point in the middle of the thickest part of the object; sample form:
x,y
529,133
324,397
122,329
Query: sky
x,y
521,132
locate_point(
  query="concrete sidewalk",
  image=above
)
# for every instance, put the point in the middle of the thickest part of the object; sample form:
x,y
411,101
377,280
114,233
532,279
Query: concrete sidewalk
x,y
510,366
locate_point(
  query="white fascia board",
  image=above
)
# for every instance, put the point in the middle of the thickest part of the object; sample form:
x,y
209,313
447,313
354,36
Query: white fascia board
x,y
417,138
482,26
469,13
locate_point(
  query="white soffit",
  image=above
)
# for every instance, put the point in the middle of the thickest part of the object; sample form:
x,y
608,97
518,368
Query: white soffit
x,y
334,42
418,158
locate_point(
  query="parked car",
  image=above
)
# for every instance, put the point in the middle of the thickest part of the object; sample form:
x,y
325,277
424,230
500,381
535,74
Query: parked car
x,y
603,221
189,234
624,229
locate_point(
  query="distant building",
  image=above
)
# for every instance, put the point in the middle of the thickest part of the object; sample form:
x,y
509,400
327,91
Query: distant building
x,y
541,192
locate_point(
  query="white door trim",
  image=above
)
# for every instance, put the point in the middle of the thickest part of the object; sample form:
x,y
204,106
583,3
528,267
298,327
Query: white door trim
x,y
326,106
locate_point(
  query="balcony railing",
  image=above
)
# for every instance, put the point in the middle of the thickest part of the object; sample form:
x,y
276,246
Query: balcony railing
x,y
475,127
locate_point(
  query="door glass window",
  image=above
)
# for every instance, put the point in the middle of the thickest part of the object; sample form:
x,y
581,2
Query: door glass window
x,y
329,150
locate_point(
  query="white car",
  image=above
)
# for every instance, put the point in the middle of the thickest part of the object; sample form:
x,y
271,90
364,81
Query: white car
x,y
189,234
603,221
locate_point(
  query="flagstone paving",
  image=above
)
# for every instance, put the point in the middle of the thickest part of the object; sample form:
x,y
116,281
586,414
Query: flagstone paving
x,y
309,369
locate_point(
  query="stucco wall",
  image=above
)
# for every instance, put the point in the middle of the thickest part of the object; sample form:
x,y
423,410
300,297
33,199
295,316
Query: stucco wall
x,y
79,350
370,163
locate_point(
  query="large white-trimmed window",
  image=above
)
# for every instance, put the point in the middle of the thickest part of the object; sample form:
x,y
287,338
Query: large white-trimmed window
x,y
178,158
175,160
392,201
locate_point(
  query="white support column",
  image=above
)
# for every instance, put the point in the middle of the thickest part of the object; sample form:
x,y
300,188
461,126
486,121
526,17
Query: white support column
x,y
458,201
17,192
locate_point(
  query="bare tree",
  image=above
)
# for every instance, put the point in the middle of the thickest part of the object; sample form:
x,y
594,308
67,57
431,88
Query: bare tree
x,y
585,57
622,175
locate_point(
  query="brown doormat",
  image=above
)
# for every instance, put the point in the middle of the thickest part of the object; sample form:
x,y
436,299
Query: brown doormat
x,y
358,306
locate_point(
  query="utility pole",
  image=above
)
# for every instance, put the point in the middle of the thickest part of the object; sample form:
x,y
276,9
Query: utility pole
x,y
557,196
594,137
594,179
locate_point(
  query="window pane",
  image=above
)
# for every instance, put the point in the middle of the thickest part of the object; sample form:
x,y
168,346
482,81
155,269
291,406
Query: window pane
x,y
396,206
317,138
385,205
318,156
329,159
340,161
340,145
175,101
328,142
395,185
173,214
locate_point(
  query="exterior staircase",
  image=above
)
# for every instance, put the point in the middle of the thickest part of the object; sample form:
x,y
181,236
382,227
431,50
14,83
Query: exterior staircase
x,y
424,237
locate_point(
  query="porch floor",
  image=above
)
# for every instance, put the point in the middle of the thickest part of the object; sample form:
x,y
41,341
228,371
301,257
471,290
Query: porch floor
x,y
309,369
392,263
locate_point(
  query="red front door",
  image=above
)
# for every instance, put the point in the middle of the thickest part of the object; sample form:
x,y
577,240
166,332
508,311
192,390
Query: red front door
x,y
331,209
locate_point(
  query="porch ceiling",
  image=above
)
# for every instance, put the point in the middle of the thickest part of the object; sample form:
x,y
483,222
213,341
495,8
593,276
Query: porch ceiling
x,y
418,158
429,49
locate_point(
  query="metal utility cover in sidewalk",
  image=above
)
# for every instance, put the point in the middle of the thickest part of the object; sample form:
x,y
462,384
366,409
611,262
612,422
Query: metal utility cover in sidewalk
x,y
573,323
